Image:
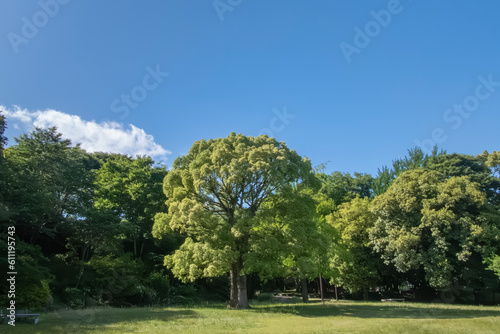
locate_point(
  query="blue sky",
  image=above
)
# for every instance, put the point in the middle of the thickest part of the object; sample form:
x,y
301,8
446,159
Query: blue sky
x,y
233,65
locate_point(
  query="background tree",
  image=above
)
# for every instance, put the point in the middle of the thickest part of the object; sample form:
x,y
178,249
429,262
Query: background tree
x,y
493,162
353,262
3,174
291,240
437,224
3,139
70,207
98,232
116,225
218,195
132,189
494,264
342,187
415,159
48,181
476,168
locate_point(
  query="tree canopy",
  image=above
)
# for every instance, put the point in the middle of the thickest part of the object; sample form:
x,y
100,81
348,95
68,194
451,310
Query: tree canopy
x,y
222,195
101,228
440,224
354,264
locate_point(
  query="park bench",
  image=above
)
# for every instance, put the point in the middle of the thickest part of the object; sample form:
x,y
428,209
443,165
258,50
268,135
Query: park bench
x,y
281,298
22,314
393,300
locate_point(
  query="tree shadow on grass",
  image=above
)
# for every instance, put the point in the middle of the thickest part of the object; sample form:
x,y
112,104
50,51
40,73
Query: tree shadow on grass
x,y
89,320
382,310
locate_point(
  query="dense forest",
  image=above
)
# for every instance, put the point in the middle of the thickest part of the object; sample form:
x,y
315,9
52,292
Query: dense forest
x,y
241,216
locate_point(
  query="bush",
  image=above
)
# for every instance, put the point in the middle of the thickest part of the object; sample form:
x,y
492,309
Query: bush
x,y
159,288
263,296
213,288
183,294
32,280
117,280
73,297
34,295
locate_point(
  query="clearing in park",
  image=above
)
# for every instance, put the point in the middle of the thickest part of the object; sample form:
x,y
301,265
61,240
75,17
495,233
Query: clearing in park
x,y
333,317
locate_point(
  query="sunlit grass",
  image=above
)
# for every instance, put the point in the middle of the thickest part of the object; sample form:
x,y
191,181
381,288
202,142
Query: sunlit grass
x,y
339,317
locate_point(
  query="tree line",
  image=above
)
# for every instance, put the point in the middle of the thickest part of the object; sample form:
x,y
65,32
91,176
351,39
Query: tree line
x,y
240,214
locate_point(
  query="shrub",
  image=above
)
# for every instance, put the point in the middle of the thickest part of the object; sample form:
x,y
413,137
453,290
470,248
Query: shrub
x,y
34,295
159,286
73,297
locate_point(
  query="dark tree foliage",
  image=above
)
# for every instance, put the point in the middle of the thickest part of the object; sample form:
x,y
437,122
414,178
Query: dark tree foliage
x,y
415,159
3,174
48,182
476,168
342,187
70,215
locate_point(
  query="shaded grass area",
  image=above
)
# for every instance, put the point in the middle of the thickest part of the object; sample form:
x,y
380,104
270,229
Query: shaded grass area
x,y
340,317
383,310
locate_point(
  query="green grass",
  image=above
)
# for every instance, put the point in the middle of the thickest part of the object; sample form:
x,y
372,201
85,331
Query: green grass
x,y
338,317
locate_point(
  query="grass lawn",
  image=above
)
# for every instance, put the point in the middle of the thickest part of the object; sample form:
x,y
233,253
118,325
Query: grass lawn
x,y
333,317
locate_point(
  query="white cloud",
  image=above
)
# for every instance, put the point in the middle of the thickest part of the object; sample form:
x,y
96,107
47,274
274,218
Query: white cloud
x,y
110,137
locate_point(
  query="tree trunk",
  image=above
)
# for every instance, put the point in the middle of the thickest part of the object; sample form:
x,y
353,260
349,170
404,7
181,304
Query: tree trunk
x,y
321,288
238,298
142,249
365,293
305,296
233,280
242,292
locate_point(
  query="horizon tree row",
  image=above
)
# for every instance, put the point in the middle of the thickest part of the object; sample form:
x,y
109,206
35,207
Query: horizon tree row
x,y
234,214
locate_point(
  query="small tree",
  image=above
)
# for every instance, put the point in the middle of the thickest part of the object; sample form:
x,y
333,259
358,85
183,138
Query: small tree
x,y
354,264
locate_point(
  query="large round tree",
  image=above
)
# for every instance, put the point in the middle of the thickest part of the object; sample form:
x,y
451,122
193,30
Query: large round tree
x,y
441,225
222,195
